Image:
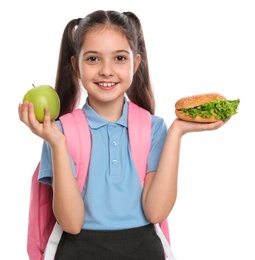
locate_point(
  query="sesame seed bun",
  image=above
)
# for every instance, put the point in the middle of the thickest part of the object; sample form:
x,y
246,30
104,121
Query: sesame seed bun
x,y
194,101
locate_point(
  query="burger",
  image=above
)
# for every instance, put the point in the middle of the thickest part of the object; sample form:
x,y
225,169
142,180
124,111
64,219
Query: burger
x,y
206,108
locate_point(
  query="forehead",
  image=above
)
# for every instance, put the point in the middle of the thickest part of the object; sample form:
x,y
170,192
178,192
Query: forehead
x,y
106,34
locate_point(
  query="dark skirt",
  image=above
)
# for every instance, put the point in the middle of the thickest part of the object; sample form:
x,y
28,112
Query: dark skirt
x,y
140,243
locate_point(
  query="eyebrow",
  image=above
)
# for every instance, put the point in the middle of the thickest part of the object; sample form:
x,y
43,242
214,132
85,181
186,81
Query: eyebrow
x,y
96,52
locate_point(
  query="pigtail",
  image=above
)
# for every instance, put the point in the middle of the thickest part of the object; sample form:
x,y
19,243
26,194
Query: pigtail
x,y
66,84
140,91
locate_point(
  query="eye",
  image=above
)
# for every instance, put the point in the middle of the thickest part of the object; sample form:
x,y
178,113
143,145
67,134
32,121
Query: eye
x,y
92,59
120,58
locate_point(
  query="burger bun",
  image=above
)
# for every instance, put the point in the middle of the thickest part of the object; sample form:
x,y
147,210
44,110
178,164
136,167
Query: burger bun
x,y
194,101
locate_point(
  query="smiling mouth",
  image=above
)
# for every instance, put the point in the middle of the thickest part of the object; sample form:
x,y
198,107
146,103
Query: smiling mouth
x,y
106,84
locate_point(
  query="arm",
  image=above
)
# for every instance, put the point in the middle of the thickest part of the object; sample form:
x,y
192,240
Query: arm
x,y
160,187
68,205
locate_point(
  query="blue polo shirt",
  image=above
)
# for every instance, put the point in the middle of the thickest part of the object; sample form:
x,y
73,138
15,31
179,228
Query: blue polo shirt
x,y
112,192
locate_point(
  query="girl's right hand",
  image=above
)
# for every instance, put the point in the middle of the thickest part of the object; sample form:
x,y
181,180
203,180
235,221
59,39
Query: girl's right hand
x,y
48,130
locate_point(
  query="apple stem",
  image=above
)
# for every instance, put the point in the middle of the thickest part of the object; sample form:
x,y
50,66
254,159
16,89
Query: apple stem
x,y
33,85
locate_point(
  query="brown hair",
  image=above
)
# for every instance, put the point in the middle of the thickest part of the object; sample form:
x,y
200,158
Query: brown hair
x,y
67,84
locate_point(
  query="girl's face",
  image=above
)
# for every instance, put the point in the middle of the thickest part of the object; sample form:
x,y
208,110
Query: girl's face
x,y
106,66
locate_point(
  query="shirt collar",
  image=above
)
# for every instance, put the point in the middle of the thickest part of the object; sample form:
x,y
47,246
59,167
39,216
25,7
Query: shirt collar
x,y
96,121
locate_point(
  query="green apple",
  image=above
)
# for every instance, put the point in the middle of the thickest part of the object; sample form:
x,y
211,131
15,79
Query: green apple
x,y
43,96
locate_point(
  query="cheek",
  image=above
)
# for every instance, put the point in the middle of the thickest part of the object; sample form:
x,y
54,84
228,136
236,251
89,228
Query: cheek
x,y
127,72
127,77
86,72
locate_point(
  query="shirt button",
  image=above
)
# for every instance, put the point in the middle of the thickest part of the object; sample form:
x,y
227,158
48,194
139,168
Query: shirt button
x,y
111,127
114,143
114,162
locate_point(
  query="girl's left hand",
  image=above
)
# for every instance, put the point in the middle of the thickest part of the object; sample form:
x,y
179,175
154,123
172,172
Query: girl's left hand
x,y
186,126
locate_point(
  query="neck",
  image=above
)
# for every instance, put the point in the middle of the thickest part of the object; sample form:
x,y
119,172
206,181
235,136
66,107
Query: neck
x,y
111,111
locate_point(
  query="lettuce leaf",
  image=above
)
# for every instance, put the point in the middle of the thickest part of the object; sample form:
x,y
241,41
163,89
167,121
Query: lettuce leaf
x,y
221,109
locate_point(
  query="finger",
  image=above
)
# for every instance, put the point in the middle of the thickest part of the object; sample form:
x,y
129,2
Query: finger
x,y
19,110
214,126
47,119
23,112
32,121
31,113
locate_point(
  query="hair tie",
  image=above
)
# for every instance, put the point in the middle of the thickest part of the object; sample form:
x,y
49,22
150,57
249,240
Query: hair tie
x,y
78,20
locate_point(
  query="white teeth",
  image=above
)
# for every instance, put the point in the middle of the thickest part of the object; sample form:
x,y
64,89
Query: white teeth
x,y
106,84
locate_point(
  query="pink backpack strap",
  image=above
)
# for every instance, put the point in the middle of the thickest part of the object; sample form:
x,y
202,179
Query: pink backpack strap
x,y
78,141
139,131
77,133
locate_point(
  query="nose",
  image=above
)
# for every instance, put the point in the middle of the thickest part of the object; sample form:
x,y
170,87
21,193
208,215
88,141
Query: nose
x,y
106,69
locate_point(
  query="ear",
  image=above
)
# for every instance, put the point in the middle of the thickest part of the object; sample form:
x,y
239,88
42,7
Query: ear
x,y
137,62
73,62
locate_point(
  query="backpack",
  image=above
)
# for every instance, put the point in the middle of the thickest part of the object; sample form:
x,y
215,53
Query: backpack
x,y
44,232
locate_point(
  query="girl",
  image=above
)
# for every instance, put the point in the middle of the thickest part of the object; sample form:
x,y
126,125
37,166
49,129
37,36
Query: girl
x,y
113,218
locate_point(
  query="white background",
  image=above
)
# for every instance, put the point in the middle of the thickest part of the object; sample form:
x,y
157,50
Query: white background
x,y
194,47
